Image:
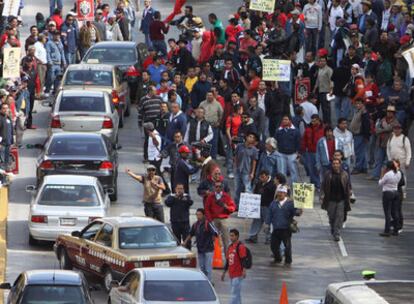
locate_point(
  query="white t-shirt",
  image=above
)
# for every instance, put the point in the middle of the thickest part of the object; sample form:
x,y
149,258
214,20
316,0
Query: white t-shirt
x,y
308,110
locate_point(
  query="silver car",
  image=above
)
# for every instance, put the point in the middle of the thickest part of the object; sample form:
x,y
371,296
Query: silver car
x,y
84,111
163,285
65,203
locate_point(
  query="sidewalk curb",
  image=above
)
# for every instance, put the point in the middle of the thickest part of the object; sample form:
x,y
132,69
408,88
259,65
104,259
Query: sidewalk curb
x,y
4,208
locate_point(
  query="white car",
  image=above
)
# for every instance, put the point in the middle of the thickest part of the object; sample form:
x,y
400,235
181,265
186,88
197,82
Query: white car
x,y
163,285
84,111
65,203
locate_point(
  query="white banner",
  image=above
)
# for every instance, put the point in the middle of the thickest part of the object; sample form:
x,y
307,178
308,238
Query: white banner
x,y
11,7
249,206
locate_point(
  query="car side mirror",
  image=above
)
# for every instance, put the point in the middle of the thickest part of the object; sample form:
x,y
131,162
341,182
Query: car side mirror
x,y
5,286
31,188
114,284
76,233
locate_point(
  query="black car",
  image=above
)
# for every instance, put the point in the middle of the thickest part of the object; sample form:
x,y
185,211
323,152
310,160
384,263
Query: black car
x,y
80,153
126,55
49,286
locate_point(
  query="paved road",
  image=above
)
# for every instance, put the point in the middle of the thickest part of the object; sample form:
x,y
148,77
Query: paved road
x,y
317,260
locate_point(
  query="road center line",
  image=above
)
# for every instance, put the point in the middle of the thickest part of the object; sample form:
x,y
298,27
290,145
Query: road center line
x,y
342,248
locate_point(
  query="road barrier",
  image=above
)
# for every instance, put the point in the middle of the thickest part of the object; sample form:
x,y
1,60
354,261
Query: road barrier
x,y
4,205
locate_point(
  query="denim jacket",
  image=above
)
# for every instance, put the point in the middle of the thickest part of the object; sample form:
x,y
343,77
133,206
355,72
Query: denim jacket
x,y
54,52
24,94
70,36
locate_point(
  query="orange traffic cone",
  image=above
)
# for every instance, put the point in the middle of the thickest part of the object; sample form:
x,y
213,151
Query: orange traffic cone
x,y
284,295
217,257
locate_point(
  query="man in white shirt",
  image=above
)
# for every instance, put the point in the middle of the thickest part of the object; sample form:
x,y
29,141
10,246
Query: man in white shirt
x,y
309,109
41,56
334,11
313,24
343,135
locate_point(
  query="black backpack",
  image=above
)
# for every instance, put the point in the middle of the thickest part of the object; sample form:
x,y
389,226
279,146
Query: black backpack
x,y
246,262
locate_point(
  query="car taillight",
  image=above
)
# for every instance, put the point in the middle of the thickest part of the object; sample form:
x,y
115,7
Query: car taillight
x,y
115,97
191,262
106,165
46,165
132,72
92,218
107,123
39,219
55,123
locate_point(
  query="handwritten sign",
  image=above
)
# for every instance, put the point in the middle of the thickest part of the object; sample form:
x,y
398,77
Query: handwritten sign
x,y
303,195
11,8
262,5
11,62
249,206
276,70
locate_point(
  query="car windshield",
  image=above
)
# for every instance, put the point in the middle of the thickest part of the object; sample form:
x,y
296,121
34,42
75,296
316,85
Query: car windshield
x,y
42,294
69,195
111,55
145,237
178,291
76,146
89,77
82,104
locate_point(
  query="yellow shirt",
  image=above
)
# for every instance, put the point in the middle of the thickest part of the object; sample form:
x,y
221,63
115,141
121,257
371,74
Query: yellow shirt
x,y
23,106
189,83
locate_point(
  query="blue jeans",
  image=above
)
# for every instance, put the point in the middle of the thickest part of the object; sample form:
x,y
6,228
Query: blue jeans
x,y
285,162
205,263
380,158
70,58
360,147
236,284
342,107
148,41
52,77
229,157
311,39
214,142
52,5
310,162
4,156
242,184
257,224
371,149
160,47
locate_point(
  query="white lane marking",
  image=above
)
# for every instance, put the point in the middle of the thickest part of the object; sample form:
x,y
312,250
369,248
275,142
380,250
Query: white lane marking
x,y
342,248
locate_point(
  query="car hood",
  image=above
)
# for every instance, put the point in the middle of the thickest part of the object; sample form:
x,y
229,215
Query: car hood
x,y
157,253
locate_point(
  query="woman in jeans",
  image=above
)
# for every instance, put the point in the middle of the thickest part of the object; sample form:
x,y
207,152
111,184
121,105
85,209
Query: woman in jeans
x,y
390,198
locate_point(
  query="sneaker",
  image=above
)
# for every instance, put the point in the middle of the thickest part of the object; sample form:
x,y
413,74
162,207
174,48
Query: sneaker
x,y
231,175
400,231
395,233
287,265
344,225
337,238
385,234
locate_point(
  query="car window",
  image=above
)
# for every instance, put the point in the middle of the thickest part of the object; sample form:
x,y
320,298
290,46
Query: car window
x,y
69,195
90,231
146,237
45,294
77,146
88,77
111,55
104,236
82,104
178,291
130,284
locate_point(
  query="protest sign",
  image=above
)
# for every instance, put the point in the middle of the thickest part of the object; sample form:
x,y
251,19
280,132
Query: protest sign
x,y
302,89
249,206
276,70
262,5
11,62
409,57
303,195
11,8
86,10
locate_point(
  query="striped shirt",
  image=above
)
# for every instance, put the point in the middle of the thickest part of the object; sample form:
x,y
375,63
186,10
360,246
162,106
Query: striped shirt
x,y
150,107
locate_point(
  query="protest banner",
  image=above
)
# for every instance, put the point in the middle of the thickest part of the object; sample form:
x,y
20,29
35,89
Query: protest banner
x,y
85,9
249,206
302,89
11,8
276,70
11,62
262,5
303,195
409,57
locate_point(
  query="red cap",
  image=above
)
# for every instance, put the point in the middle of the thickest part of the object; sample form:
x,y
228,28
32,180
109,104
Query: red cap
x,y
322,52
405,39
184,149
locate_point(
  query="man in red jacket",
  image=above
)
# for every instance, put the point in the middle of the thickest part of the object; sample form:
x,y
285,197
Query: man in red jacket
x,y
308,147
219,205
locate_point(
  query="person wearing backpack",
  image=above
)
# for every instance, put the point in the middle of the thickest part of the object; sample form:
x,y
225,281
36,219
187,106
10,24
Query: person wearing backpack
x,y
238,259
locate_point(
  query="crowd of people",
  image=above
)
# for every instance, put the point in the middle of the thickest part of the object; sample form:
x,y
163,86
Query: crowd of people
x,y
206,109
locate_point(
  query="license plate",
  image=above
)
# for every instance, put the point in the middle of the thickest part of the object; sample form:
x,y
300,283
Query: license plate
x,y
67,222
162,264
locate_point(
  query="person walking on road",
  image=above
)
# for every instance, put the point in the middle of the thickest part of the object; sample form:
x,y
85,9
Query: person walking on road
x,y
183,169
204,233
153,187
335,197
281,214
234,265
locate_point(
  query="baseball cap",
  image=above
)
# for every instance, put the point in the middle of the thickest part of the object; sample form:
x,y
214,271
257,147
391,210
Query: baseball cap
x,y
282,188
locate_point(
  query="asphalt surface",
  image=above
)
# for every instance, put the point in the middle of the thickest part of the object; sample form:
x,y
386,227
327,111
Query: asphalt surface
x,y
317,260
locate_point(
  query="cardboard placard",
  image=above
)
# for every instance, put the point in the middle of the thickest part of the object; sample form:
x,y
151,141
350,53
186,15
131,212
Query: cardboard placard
x,y
249,206
262,5
303,195
11,62
276,70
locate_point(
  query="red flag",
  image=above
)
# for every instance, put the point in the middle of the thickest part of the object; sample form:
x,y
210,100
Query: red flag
x,y
177,10
284,295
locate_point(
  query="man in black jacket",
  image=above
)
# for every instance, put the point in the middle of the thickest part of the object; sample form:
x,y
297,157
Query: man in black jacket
x,y
123,23
179,204
184,59
6,136
274,109
266,188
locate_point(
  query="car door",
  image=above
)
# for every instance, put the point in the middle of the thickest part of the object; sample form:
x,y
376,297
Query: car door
x,y
16,292
129,289
100,252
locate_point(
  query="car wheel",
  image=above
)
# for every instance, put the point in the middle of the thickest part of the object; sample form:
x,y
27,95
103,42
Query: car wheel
x,y
114,197
64,262
32,241
107,279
